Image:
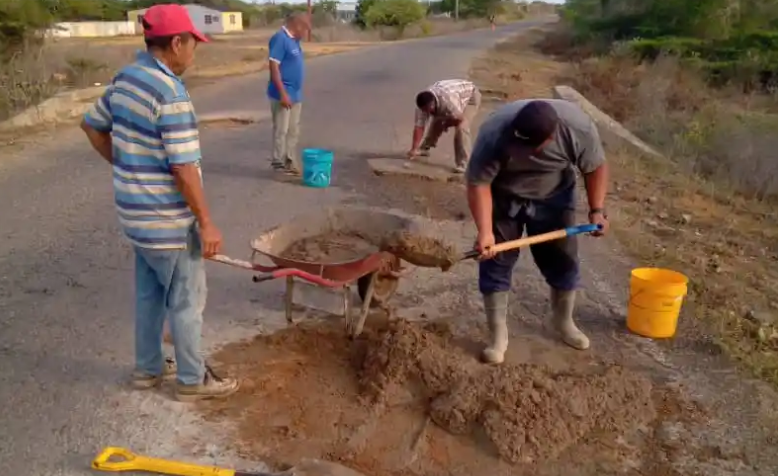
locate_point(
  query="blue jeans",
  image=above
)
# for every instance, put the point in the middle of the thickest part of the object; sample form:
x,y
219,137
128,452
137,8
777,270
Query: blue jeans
x,y
170,283
557,260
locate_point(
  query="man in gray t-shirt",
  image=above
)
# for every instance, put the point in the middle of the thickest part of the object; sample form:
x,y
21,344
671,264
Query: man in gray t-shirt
x,y
522,175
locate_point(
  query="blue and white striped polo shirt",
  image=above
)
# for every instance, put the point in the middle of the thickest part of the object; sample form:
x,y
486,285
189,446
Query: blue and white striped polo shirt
x,y
152,123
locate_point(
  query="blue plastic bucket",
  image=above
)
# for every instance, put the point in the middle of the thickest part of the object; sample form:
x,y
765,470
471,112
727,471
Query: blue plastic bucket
x,y
317,167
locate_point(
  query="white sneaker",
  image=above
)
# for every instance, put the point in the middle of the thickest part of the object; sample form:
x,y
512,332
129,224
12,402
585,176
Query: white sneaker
x,y
212,386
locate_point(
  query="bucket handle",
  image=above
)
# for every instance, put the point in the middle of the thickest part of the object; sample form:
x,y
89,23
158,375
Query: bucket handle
x,y
664,296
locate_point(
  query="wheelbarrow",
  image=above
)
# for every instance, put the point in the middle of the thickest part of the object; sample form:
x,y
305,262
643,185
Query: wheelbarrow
x,y
376,275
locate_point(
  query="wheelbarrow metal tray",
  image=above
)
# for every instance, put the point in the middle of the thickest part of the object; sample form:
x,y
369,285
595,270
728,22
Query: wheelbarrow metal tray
x,y
369,224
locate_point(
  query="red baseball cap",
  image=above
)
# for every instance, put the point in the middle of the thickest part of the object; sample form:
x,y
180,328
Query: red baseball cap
x,y
170,20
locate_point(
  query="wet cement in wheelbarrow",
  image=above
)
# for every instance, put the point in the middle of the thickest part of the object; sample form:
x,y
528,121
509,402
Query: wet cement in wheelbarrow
x,y
332,247
407,399
416,247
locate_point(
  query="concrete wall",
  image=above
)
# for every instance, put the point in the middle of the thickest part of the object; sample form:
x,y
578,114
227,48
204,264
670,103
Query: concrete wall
x,y
92,29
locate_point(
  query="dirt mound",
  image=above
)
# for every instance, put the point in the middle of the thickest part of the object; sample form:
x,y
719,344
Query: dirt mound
x,y
528,413
407,399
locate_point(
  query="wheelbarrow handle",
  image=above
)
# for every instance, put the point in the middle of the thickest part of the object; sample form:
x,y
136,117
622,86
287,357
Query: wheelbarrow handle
x,y
238,263
269,273
542,238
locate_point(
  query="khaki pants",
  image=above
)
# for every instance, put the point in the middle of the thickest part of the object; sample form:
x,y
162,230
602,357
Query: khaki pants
x,y
462,136
286,132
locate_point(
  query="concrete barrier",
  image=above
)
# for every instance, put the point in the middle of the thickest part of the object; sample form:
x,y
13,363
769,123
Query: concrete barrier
x,y
604,122
58,108
92,29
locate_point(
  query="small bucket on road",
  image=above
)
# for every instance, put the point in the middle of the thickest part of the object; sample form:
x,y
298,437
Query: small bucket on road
x,y
317,167
656,297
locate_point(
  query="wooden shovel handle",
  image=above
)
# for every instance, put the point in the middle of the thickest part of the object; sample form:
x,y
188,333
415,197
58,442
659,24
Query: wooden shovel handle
x,y
532,240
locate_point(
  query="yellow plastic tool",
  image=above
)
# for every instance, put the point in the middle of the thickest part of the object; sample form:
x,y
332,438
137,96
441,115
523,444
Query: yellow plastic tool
x,y
121,459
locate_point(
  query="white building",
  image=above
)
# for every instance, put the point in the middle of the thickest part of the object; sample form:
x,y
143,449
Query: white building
x,y
346,11
207,20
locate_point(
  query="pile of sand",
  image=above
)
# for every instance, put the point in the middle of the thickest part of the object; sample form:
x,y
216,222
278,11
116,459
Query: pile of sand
x,y
406,399
529,413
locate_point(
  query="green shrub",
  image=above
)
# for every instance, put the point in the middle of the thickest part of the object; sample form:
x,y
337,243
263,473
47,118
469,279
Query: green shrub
x,y
395,13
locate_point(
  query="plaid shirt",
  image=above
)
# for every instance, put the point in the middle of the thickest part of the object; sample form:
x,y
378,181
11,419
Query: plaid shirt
x,y
453,96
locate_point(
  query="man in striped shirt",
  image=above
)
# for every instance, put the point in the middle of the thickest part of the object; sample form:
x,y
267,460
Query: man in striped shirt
x,y
445,104
145,127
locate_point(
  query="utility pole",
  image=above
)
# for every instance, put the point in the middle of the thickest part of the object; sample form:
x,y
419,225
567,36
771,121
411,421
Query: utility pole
x,y
310,20
456,10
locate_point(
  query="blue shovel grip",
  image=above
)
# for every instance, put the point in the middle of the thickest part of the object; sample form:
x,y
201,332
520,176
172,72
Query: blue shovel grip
x,y
578,229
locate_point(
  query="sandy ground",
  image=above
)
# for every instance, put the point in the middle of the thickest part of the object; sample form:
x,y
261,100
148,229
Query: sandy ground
x,y
411,398
661,408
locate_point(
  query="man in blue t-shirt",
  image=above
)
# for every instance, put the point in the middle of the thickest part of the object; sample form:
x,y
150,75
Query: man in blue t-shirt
x,y
285,91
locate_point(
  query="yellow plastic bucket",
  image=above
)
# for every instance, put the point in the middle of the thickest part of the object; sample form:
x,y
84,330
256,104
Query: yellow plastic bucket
x,y
655,300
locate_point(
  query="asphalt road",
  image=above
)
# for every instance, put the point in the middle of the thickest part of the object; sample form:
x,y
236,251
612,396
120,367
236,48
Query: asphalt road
x,y
66,273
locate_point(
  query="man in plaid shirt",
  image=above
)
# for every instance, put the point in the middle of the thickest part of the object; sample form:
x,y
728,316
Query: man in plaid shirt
x,y
447,103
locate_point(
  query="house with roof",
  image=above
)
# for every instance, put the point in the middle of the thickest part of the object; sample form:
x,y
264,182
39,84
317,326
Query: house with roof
x,y
208,20
346,12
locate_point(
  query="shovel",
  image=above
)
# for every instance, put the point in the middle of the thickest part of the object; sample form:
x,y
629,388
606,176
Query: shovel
x,y
533,240
119,459
438,255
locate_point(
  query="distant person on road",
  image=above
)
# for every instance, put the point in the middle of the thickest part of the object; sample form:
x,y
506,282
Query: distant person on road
x,y
522,176
145,127
286,65
445,104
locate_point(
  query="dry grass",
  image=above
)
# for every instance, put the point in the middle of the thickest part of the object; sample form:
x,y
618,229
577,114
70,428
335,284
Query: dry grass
x,y
706,210
512,70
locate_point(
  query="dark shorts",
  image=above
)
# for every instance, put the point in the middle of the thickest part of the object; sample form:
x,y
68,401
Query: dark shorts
x,y
557,260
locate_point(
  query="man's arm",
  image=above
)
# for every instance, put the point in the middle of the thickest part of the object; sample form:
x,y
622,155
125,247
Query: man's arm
x,y
189,183
479,200
97,125
481,171
591,162
597,187
100,141
276,53
419,124
181,140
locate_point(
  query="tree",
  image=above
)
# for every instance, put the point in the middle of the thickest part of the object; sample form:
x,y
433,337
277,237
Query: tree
x,y
329,7
360,16
19,21
396,13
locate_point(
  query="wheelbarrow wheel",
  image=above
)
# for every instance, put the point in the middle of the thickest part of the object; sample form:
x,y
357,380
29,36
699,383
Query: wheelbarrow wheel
x,y
385,285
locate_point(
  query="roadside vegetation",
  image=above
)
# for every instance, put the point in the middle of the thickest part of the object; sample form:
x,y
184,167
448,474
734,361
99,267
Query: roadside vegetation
x,y
695,80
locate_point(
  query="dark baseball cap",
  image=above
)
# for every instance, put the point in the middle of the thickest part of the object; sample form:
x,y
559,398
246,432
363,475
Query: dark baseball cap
x,y
533,125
